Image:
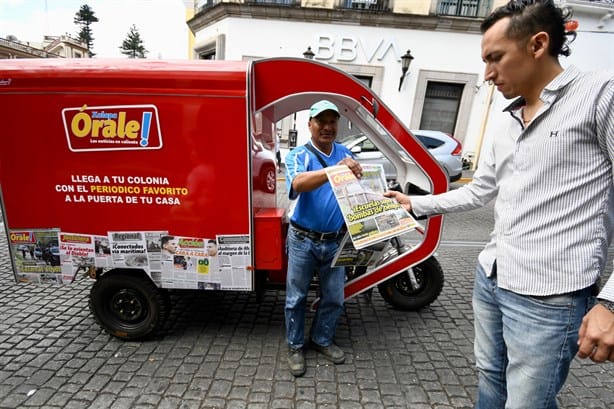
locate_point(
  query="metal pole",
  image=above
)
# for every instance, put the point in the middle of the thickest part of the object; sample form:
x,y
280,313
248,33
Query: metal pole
x,y
491,91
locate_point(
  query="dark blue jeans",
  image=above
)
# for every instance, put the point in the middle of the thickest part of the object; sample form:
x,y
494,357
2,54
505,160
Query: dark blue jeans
x,y
304,258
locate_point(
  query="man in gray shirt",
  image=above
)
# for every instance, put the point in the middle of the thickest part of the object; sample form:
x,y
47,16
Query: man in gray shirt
x,y
550,168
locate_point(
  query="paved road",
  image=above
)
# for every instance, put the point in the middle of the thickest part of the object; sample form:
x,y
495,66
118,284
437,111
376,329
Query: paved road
x,y
225,350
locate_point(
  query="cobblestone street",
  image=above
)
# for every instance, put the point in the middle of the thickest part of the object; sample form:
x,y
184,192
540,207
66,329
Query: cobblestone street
x,y
225,350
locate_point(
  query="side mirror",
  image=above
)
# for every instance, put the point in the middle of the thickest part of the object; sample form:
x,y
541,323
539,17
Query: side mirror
x,y
356,149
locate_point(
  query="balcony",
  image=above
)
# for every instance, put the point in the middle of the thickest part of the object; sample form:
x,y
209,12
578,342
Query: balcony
x,y
275,2
14,49
367,5
206,4
461,8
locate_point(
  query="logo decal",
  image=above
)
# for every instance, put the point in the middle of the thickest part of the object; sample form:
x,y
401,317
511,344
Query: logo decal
x,y
120,127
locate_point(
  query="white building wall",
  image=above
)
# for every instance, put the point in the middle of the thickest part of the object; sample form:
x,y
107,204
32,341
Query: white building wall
x,y
355,45
382,47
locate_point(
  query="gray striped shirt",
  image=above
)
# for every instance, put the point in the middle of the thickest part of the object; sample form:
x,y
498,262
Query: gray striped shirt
x,y
553,183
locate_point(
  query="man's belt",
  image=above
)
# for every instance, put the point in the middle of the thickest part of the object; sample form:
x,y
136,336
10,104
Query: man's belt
x,y
316,235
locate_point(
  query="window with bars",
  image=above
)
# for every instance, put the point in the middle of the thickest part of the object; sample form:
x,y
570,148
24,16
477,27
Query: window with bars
x,y
441,105
461,8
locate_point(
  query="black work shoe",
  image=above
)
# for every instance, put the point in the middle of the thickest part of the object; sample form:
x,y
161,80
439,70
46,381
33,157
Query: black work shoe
x,y
332,352
296,361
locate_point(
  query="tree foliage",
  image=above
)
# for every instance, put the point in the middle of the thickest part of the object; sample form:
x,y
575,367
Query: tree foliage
x,y
84,19
133,44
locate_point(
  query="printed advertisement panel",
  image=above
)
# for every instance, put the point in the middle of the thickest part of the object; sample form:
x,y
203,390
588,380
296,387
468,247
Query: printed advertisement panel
x,y
121,127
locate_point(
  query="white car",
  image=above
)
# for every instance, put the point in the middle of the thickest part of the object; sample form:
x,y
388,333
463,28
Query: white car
x,y
445,149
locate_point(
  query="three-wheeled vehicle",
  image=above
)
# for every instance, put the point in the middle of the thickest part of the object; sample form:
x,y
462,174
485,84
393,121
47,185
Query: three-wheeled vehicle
x,y
150,176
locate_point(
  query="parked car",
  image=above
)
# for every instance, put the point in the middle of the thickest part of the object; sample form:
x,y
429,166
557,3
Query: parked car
x,y
264,167
445,149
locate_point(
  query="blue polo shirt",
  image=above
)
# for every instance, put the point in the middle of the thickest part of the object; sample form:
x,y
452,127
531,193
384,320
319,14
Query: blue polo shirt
x,y
316,210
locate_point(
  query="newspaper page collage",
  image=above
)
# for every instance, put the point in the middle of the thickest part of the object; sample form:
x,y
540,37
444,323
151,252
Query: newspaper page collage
x,y
370,217
52,256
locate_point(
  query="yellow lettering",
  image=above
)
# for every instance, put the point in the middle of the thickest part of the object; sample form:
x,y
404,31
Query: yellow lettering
x,y
96,127
121,124
109,130
81,125
132,129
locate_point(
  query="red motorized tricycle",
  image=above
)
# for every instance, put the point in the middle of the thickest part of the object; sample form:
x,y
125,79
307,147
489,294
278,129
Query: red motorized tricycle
x,y
152,176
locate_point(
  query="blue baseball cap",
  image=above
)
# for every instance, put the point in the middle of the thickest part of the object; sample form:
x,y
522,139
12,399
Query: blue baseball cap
x,y
321,106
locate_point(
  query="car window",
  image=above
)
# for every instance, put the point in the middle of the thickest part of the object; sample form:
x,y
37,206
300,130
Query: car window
x,y
430,143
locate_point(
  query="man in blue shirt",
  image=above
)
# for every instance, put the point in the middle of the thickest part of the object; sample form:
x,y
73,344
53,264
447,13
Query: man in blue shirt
x,y
316,227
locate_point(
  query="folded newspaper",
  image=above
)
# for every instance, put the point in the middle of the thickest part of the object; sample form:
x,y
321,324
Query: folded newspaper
x,y
370,217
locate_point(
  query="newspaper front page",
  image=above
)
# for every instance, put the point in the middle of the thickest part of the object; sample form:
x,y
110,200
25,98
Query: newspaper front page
x,y
370,217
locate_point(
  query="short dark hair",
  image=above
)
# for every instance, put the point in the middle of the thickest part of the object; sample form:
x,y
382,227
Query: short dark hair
x,y
528,17
166,239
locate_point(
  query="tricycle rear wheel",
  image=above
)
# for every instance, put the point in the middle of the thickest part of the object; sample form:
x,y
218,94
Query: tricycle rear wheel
x,y
128,306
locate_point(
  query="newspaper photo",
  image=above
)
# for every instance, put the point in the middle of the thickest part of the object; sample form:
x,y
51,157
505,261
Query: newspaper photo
x,y
102,249
36,255
370,217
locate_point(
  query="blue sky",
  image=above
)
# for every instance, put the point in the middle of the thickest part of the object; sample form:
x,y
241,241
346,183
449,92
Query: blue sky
x,y
161,23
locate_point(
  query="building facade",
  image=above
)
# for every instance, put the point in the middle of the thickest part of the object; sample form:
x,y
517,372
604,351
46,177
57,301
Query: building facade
x,y
63,46
443,88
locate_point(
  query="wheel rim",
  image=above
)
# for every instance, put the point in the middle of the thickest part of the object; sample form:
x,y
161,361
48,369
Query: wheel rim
x,y
127,306
271,180
404,285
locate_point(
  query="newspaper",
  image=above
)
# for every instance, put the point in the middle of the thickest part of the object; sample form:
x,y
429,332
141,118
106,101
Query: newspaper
x,y
53,256
129,250
36,255
187,263
234,260
77,253
370,217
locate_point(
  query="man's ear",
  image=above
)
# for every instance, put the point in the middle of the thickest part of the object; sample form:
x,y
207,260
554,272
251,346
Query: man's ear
x,y
538,44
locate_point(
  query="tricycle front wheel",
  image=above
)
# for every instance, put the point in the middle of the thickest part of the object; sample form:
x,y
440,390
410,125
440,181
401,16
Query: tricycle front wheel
x,y
414,288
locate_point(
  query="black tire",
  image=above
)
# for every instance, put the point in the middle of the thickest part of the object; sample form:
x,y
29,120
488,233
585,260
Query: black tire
x,y
128,306
401,294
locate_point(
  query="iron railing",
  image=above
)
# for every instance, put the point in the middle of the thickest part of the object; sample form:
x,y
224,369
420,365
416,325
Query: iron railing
x,y
17,46
366,5
460,8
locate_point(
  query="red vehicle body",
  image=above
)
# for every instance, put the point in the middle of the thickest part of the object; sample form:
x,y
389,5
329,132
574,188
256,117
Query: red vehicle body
x,y
102,158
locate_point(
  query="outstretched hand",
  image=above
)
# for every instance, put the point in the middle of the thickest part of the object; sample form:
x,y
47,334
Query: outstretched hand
x,y
597,335
400,197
